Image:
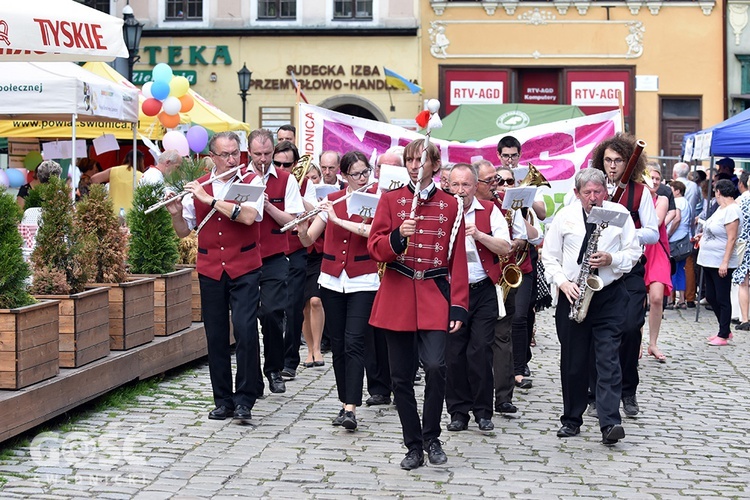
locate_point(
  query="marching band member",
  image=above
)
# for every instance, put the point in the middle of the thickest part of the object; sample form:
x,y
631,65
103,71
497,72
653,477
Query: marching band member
x,y
469,380
348,281
228,268
282,203
423,294
566,248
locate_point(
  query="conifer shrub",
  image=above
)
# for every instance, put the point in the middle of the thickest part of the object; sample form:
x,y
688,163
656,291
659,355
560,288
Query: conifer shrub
x,y
13,269
153,242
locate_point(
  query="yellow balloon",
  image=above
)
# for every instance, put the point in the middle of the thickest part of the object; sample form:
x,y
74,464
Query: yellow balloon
x,y
178,86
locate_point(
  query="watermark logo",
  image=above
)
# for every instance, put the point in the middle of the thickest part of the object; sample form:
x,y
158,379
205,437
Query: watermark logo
x,y
513,120
80,450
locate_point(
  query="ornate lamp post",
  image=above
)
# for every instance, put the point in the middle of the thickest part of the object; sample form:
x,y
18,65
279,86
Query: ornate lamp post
x,y
244,76
131,33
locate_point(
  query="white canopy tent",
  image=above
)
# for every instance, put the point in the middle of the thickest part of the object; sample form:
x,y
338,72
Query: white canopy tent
x,y
58,30
64,91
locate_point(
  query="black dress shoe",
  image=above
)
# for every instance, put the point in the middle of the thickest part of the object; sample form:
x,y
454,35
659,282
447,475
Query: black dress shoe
x,y
288,374
457,425
242,412
319,362
485,424
308,364
413,459
435,453
506,407
276,383
378,399
526,371
350,421
568,430
221,413
691,305
339,419
525,383
612,434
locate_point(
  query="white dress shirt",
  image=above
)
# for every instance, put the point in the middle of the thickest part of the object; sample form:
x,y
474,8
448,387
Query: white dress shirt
x,y
499,228
565,235
292,197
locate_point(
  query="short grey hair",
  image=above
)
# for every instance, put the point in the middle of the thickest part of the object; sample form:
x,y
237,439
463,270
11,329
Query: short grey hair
x,y
586,175
467,166
170,155
681,169
225,135
47,169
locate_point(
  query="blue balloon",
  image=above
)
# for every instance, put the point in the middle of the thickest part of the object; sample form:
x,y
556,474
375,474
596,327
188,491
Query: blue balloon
x,y
16,177
160,90
161,72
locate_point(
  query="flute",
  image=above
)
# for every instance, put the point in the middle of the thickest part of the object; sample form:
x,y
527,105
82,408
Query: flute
x,y
184,193
315,211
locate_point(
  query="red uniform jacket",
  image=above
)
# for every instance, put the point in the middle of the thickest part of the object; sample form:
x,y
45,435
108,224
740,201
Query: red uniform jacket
x,y
344,249
490,261
273,241
408,304
226,245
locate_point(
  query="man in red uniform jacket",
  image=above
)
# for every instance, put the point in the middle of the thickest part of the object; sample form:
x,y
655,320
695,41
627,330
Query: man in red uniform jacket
x,y
423,295
229,272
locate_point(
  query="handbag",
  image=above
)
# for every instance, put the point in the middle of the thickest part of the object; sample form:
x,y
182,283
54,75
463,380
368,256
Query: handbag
x,y
681,249
672,261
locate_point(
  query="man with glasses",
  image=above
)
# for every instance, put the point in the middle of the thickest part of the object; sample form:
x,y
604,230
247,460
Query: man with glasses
x,y
282,203
611,157
228,268
285,157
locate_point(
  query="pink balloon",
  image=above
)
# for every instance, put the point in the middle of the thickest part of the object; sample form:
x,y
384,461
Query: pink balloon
x,y
197,138
176,140
4,181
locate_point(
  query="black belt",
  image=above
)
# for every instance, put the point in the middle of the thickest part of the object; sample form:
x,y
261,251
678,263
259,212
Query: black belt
x,y
479,284
407,271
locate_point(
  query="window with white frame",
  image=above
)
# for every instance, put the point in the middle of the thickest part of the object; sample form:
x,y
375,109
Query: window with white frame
x,y
352,9
184,10
277,9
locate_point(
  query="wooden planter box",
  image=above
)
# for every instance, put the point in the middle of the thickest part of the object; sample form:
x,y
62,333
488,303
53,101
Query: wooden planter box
x,y
195,302
172,302
28,344
131,313
84,326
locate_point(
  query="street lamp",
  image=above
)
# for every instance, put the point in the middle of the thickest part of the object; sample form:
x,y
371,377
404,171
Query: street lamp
x,y
244,75
131,33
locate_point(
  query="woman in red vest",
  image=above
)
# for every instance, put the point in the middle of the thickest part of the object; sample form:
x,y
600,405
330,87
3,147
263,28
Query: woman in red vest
x,y
348,282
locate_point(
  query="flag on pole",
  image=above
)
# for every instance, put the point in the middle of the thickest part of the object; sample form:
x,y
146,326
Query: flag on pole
x,y
298,90
399,82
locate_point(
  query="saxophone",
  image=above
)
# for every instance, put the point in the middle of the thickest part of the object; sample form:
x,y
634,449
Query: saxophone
x,y
587,283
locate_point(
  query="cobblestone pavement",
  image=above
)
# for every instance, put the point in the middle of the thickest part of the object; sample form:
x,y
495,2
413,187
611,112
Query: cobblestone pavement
x,y
690,440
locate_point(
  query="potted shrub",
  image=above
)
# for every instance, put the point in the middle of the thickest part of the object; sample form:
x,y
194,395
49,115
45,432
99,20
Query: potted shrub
x,y
62,265
28,329
153,252
192,168
131,301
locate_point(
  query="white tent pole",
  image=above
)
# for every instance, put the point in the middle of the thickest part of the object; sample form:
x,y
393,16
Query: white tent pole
x,y
73,159
135,157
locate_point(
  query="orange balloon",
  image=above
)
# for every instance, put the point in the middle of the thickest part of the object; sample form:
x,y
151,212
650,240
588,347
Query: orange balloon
x,y
187,103
169,121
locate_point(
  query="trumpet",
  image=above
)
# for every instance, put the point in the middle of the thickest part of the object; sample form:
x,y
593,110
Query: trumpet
x,y
184,193
315,211
303,167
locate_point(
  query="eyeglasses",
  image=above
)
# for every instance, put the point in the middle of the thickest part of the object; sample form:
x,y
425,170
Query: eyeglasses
x,y
506,156
285,164
502,182
616,161
360,175
489,182
226,156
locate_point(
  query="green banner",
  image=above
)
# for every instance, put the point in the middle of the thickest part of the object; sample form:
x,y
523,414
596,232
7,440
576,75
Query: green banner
x,y
140,76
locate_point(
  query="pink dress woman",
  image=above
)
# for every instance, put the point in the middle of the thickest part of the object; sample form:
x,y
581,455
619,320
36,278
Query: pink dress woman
x,y
657,264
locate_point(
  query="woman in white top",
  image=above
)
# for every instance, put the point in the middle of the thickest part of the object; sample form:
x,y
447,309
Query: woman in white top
x,y
716,255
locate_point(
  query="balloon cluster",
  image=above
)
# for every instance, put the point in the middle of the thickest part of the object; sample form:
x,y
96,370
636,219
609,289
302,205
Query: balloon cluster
x,y
166,96
194,140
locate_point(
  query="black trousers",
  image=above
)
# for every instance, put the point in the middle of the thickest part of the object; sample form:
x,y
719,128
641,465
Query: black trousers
x,y
630,346
523,323
718,294
347,316
217,297
295,309
377,368
273,302
468,357
403,348
502,353
598,336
